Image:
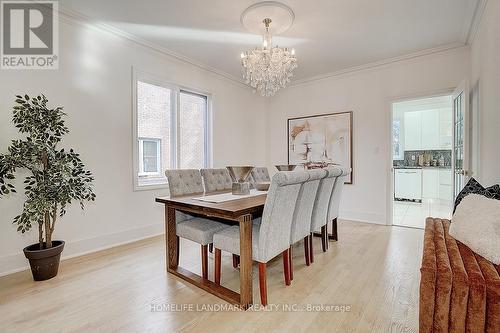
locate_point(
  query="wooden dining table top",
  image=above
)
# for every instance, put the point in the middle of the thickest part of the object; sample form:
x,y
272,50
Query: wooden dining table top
x,y
228,209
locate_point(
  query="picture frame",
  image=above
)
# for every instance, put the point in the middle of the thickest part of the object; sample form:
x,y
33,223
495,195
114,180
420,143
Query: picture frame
x,y
321,140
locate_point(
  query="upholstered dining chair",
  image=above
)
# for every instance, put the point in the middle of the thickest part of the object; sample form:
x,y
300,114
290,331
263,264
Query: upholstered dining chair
x,y
196,229
301,224
321,204
333,208
259,174
216,179
272,236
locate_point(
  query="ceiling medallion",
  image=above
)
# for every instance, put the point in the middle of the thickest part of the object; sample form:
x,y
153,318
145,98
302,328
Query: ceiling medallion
x,y
268,68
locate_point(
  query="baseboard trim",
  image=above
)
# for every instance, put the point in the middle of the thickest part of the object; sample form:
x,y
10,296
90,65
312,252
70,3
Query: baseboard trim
x,y
16,262
362,217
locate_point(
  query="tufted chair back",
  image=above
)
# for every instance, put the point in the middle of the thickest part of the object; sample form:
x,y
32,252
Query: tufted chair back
x,y
321,204
333,209
216,179
260,174
184,182
301,225
275,228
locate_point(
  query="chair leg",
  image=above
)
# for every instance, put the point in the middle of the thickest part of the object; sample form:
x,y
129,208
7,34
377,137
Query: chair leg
x,y
236,260
262,283
290,263
306,250
335,235
286,266
326,236
204,261
178,251
311,248
217,266
323,237
211,247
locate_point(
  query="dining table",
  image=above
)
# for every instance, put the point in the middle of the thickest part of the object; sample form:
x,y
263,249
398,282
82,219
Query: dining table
x,y
239,210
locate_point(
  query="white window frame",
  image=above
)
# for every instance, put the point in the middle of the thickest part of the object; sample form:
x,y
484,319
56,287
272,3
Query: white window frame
x,y
175,90
400,156
141,157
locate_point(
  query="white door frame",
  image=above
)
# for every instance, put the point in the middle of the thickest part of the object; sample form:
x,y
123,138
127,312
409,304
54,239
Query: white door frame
x,y
390,169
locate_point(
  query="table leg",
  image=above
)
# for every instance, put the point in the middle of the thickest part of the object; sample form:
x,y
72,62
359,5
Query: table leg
x,y
246,289
172,245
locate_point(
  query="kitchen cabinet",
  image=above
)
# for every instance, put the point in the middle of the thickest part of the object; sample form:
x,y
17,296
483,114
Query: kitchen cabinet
x,y
413,130
428,130
408,184
445,129
430,183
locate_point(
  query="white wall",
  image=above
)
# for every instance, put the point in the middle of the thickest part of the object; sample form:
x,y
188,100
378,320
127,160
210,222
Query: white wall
x,y
94,85
369,94
485,74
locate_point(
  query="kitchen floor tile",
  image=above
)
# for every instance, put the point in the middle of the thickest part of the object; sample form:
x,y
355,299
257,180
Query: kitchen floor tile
x,y
412,214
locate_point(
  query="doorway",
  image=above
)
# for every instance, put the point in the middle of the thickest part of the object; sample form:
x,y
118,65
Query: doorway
x,y
422,160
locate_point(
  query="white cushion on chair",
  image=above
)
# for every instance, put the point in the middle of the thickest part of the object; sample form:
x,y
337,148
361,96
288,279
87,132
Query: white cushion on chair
x,y
199,230
229,240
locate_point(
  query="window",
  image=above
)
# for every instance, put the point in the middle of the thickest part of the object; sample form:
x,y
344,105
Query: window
x,y
149,157
397,152
192,120
170,130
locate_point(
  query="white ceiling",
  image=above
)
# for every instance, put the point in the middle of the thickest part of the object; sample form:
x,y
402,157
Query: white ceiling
x,y
328,35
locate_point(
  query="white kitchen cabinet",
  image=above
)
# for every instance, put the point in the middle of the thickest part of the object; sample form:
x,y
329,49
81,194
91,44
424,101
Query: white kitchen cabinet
x,y
445,129
430,183
408,184
430,130
413,130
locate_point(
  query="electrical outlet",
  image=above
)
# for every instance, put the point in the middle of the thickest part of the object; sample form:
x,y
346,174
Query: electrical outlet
x,y
413,157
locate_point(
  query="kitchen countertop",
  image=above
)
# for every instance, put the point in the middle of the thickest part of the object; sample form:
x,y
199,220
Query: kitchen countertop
x,y
422,167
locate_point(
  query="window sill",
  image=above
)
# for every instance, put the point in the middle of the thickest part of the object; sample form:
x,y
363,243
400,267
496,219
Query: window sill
x,y
150,187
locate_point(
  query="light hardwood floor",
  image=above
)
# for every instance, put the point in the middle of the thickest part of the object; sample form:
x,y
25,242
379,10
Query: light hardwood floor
x,y
374,269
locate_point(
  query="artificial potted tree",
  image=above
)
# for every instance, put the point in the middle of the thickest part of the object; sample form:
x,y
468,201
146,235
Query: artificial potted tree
x,y
55,177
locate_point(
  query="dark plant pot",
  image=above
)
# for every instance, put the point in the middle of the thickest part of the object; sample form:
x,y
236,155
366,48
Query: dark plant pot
x,y
44,263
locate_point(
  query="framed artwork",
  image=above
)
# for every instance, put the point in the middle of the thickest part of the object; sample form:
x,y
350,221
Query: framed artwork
x,y
321,140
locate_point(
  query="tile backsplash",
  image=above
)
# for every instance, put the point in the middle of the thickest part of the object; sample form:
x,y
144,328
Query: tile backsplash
x,y
412,158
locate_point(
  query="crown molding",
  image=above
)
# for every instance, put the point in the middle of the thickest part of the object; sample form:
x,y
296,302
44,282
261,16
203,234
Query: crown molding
x,y
384,62
71,16
475,22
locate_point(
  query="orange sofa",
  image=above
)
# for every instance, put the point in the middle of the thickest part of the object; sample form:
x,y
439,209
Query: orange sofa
x,y
459,290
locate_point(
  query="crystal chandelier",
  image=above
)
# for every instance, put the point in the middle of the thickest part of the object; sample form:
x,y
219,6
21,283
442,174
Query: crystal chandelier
x,y
268,68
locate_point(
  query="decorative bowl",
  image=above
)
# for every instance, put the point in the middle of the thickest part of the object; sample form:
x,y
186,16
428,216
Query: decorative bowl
x,y
239,175
285,167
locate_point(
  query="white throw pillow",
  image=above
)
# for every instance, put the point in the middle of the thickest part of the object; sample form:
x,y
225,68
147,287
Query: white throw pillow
x,y
476,223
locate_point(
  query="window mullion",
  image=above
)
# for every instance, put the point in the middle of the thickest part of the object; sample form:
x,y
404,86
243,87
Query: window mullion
x,y
205,144
178,124
173,129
